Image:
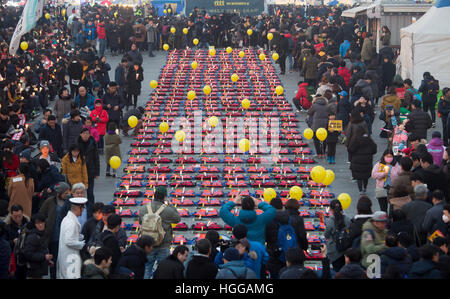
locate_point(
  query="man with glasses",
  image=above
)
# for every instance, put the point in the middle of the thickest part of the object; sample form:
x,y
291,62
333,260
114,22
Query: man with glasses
x,y
71,242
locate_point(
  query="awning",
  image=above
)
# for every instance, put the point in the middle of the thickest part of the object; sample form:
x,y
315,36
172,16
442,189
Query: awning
x,y
352,12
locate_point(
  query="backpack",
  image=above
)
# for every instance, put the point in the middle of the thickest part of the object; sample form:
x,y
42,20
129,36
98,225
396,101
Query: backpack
x,y
342,239
433,87
416,94
357,241
18,248
152,225
286,239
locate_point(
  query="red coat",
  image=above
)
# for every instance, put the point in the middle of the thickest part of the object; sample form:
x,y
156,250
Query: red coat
x,y
101,32
301,92
11,169
104,118
345,73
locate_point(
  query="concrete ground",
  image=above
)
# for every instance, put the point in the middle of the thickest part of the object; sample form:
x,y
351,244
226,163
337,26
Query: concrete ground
x,y
104,187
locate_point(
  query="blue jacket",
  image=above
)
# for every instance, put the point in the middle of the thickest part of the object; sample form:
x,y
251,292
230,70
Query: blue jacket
x,y
91,31
424,269
238,267
256,224
248,262
263,256
344,48
396,257
89,102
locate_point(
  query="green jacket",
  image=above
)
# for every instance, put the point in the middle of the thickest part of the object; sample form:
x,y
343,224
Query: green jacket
x,y
168,216
367,49
112,146
91,271
372,241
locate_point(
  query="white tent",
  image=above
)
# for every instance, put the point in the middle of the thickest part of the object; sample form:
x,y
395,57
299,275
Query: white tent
x,y
425,46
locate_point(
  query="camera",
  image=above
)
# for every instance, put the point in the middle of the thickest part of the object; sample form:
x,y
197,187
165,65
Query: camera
x,y
225,244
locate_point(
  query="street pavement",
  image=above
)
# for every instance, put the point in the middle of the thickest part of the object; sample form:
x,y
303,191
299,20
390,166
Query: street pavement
x,y
105,186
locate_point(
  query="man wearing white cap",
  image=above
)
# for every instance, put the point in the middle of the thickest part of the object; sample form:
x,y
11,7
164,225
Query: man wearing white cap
x,y
71,242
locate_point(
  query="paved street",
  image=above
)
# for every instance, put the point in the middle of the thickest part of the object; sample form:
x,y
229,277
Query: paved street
x,y
104,187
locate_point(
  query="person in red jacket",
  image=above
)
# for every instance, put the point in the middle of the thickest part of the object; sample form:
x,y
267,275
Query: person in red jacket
x,y
301,100
101,35
344,73
100,118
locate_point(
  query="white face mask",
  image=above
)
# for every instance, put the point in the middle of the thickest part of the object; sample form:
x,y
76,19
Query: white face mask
x,y
445,218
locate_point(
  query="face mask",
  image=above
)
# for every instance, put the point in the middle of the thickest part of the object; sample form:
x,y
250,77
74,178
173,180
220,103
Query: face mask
x,y
388,160
445,218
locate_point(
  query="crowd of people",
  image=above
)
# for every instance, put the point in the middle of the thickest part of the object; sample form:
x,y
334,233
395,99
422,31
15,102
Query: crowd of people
x,y
60,112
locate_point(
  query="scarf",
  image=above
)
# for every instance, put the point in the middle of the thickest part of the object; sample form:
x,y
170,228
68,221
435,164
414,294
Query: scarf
x,y
387,181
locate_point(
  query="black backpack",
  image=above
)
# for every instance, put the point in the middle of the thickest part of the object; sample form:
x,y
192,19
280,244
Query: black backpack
x,y
433,87
18,248
342,239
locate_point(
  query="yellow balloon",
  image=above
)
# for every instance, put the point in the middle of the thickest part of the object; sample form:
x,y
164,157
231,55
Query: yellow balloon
x,y
185,30
269,194
114,162
195,41
63,12
169,10
296,192
249,32
241,54
321,134
212,52
318,174
207,89
262,57
279,90
173,30
213,121
275,56
153,84
47,16
194,65
163,127
244,145
229,50
329,177
164,11
166,47
234,77
246,103
24,46
308,133
269,36
345,200
191,95
132,121
180,135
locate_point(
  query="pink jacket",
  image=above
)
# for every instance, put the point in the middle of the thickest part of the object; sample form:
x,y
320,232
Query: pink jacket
x,y
380,176
94,133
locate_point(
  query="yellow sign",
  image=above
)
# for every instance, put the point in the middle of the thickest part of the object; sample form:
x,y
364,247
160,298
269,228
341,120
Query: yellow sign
x,y
336,125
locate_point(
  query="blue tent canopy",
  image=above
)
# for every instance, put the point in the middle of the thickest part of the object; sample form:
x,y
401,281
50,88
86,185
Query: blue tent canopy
x,y
442,3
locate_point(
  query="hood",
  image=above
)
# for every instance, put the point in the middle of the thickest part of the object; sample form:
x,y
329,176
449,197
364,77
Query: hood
x,y
396,253
369,225
321,101
8,219
421,267
361,83
352,271
436,142
303,85
235,265
247,216
98,109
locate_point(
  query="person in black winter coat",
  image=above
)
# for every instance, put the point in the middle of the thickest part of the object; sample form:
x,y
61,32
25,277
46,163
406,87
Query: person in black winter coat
x,y
110,241
426,267
35,250
294,268
362,149
52,132
282,48
89,226
72,130
418,121
401,224
134,78
364,106
5,253
364,213
408,243
49,175
113,103
291,213
135,256
89,151
415,211
388,72
214,237
344,108
352,268
395,257
173,266
200,266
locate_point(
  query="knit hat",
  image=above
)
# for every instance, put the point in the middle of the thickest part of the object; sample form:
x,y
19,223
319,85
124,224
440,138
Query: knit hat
x,y
26,154
380,216
44,143
61,187
240,231
436,134
231,254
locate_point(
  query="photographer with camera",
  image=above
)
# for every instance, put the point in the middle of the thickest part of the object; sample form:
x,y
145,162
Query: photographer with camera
x,y
256,224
